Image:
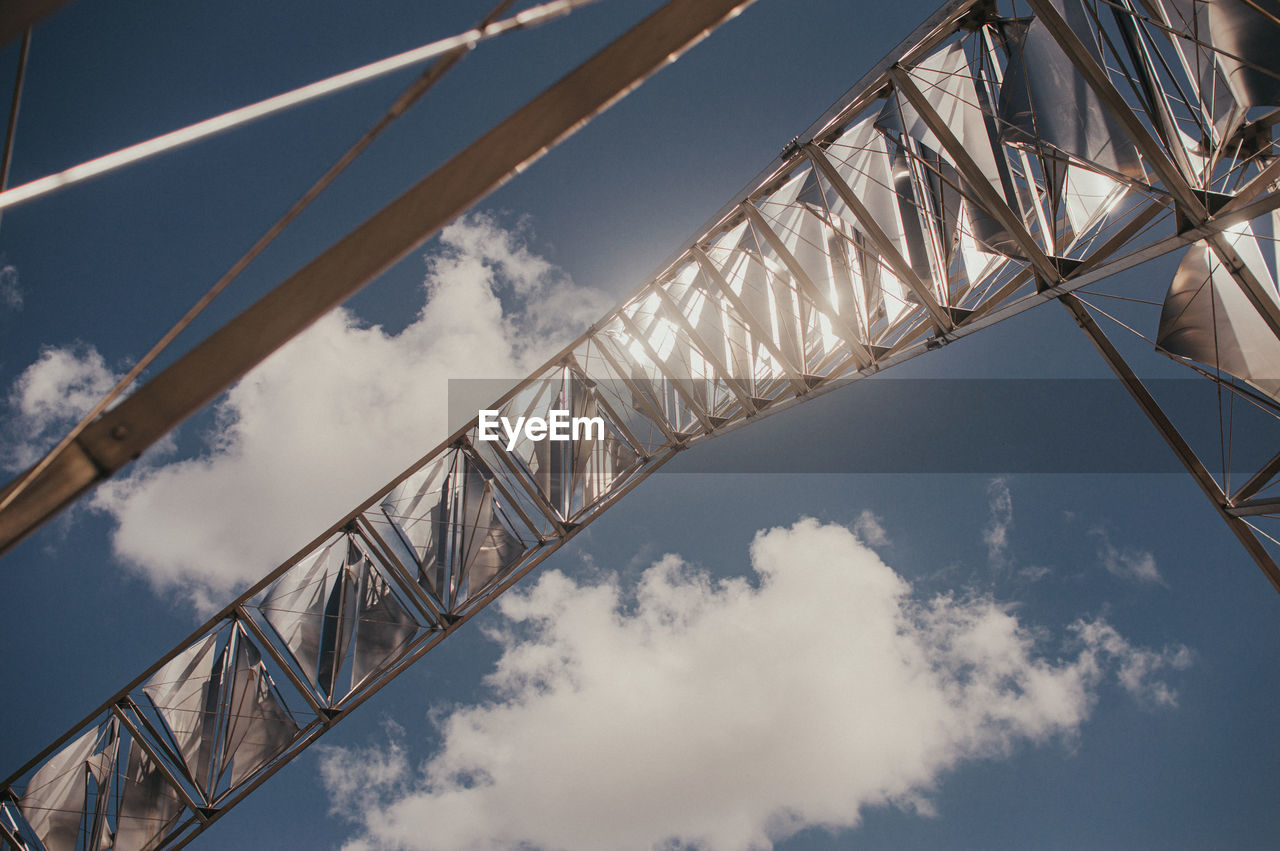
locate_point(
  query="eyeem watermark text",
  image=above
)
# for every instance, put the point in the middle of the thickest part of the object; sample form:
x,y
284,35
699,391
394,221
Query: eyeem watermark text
x,y
557,425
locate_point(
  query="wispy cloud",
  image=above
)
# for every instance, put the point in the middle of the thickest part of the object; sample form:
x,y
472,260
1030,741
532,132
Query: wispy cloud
x,y
10,291
869,527
1034,573
1128,563
727,714
1136,665
996,533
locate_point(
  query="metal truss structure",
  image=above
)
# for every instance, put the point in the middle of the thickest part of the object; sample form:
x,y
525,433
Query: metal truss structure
x,y
992,163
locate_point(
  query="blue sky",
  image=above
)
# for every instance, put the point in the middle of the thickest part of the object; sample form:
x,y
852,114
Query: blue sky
x,y
1040,549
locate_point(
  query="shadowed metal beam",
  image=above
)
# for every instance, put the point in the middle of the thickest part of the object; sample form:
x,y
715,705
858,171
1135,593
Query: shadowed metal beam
x,y
1260,184
1258,480
1255,508
143,742
15,104
447,50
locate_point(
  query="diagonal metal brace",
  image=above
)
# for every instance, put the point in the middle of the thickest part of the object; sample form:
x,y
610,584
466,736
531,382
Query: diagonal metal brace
x,y
1150,407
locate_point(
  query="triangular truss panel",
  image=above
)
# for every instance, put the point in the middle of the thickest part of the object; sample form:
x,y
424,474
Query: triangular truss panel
x,y
633,403
343,616
586,452
454,528
217,713
102,790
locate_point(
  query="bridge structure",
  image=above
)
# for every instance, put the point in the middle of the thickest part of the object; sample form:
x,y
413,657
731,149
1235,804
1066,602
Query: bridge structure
x,y
995,161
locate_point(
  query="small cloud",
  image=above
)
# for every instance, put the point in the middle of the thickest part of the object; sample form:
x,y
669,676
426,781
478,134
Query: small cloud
x,y
1034,573
869,528
1129,563
10,292
996,533
48,397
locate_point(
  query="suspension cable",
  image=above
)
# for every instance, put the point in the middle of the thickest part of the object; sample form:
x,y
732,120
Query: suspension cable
x,y
446,47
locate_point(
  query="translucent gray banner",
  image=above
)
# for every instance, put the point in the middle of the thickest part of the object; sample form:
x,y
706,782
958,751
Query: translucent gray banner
x,y
885,425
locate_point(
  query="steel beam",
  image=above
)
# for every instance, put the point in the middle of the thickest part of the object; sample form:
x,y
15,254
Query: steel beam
x,y
1140,55
268,647
1260,184
141,741
545,508
1253,289
15,105
1255,507
420,598
17,16
5,833
1258,480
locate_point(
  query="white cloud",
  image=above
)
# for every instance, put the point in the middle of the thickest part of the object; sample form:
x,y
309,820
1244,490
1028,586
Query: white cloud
x,y
869,527
1129,563
336,413
47,399
996,533
726,714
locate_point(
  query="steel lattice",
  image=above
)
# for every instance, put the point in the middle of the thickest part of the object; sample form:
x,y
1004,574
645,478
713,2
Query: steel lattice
x,y
989,165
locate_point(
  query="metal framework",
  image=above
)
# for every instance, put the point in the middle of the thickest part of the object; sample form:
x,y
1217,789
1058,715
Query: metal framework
x,y
990,164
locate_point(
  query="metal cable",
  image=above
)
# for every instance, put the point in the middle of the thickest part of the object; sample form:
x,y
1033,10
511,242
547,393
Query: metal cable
x,y
7,159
